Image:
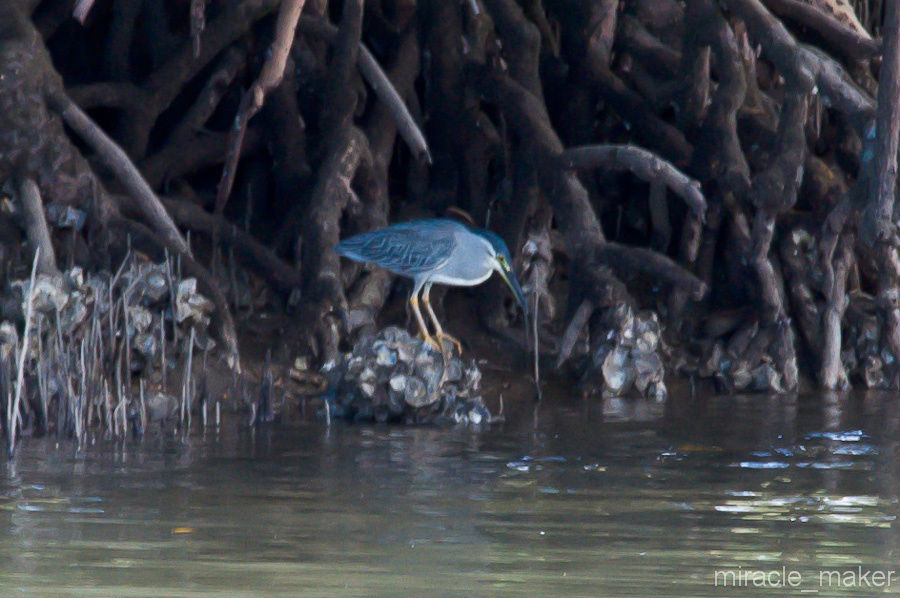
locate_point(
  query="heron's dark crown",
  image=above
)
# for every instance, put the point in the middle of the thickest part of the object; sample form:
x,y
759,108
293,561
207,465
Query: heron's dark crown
x,y
496,242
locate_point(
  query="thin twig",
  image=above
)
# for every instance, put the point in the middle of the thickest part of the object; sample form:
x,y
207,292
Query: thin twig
x,y
13,417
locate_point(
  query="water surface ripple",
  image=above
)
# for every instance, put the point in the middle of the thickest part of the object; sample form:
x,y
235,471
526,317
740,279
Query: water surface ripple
x,y
578,499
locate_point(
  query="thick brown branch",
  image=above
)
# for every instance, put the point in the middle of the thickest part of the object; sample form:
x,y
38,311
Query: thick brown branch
x,y
879,166
113,95
718,154
803,67
627,261
638,114
778,45
381,85
841,38
193,154
646,165
210,96
658,57
269,78
36,225
521,43
127,173
269,265
345,147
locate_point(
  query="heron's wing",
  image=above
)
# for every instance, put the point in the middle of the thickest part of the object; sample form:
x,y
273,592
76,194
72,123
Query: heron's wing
x,y
401,249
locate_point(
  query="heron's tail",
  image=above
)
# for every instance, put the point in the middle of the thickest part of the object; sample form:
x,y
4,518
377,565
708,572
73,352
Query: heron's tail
x,y
349,248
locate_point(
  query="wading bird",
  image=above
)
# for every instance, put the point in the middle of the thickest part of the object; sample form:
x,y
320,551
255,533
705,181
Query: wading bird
x,y
435,251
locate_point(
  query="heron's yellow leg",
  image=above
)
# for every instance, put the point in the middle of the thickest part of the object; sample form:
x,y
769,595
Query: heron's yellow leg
x,y
414,303
438,330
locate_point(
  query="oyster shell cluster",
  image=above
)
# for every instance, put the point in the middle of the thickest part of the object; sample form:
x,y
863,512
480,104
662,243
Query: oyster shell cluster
x,y
625,355
395,377
740,369
73,305
863,354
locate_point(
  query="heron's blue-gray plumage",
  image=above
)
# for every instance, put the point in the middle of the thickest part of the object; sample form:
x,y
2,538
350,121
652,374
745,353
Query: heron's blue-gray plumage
x,y
435,251
403,249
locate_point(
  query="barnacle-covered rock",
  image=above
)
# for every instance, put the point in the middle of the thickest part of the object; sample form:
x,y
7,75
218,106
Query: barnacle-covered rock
x,y
74,305
617,370
48,294
75,311
146,344
625,354
399,378
65,216
161,406
191,305
145,284
140,320
9,338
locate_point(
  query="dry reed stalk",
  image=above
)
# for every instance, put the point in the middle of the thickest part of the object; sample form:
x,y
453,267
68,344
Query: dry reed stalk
x,y
13,416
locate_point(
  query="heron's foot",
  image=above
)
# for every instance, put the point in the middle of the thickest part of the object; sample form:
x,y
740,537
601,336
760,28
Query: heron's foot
x,y
443,336
428,339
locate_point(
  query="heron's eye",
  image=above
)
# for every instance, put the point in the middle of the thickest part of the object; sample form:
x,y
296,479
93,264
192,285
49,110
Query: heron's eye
x,y
502,261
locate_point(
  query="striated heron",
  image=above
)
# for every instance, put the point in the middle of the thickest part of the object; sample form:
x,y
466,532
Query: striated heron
x,y
435,251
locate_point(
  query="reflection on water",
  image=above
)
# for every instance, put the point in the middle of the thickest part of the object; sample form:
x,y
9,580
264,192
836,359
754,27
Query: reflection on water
x,y
581,499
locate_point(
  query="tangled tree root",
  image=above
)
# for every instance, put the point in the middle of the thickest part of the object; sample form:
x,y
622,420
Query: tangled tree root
x,y
757,223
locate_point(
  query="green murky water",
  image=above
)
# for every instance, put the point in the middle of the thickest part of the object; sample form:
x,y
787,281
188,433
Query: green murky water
x,y
580,499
